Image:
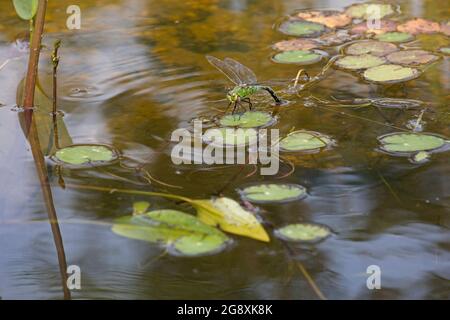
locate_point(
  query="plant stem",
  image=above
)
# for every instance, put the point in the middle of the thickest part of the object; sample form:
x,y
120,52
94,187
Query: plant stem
x,y
55,63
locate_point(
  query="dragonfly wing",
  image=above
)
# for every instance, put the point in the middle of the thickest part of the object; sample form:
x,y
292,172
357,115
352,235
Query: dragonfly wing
x,y
246,75
225,68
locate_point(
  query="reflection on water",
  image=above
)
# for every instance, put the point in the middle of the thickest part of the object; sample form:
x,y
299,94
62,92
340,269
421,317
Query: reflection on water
x,y
134,73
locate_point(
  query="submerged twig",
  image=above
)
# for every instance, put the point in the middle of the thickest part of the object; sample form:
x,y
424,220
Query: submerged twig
x,y
55,63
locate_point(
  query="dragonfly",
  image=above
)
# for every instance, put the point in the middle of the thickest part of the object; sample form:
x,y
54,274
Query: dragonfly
x,y
246,83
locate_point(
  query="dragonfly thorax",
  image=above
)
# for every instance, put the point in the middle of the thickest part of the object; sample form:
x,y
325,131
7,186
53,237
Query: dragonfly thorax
x,y
241,92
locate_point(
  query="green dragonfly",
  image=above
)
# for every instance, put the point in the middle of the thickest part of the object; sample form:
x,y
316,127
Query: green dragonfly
x,y
244,79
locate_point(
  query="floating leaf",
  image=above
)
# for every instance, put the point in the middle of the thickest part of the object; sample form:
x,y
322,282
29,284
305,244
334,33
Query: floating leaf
x,y
330,18
296,44
397,37
183,232
336,38
363,61
226,137
445,28
302,28
375,48
419,25
26,9
304,141
445,50
420,157
410,142
230,217
251,119
396,103
384,26
369,10
411,57
140,207
85,154
390,73
264,193
301,57
303,232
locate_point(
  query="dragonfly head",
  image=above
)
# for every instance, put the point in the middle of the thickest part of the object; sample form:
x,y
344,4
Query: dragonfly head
x,y
232,96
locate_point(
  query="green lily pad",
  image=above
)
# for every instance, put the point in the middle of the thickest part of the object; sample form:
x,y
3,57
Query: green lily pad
x,y
140,207
390,73
264,193
302,28
85,155
410,142
230,137
397,37
420,157
26,9
445,50
411,57
304,141
183,233
375,48
363,61
370,10
250,119
303,232
302,57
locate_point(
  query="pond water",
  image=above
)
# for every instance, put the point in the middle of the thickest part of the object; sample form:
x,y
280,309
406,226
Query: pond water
x,y
134,73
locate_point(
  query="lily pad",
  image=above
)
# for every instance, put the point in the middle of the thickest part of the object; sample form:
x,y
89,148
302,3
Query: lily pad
x,y
302,28
382,27
230,137
390,73
266,193
303,232
336,38
250,119
410,142
296,44
26,9
184,232
330,18
445,50
419,25
85,155
411,57
370,10
420,157
396,37
363,61
304,141
375,48
140,207
445,28
301,57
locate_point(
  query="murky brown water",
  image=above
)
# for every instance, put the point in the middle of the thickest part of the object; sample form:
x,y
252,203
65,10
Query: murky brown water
x,y
134,73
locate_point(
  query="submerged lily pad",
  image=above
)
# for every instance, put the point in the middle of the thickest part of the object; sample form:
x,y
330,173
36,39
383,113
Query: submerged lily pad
x,y
301,57
302,28
227,137
336,38
85,155
397,37
375,48
184,233
419,25
384,26
410,142
420,157
304,141
370,10
363,61
303,232
296,44
330,18
390,73
250,119
411,57
273,193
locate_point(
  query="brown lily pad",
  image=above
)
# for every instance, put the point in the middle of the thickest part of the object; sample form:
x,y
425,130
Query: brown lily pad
x,y
330,18
411,57
445,28
383,27
336,38
296,44
419,25
375,48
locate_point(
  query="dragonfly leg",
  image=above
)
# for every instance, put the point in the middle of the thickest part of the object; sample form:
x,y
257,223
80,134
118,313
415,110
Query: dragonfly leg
x,y
234,107
228,107
247,100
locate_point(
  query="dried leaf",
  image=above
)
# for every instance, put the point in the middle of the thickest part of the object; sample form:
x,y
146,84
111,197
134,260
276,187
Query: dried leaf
x,y
419,25
383,27
296,44
331,19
